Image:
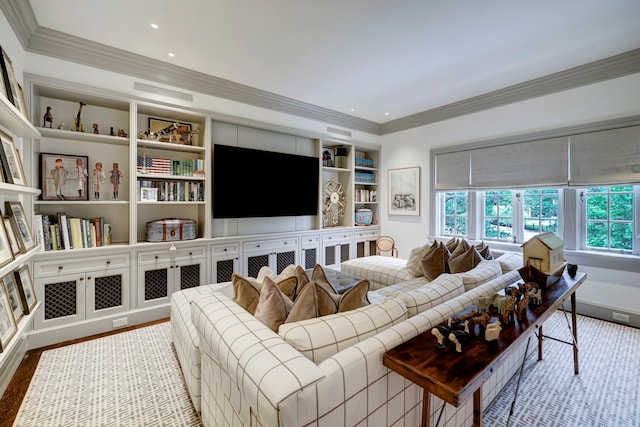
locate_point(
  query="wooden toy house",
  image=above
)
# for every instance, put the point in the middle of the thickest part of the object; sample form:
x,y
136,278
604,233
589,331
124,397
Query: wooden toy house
x,y
543,259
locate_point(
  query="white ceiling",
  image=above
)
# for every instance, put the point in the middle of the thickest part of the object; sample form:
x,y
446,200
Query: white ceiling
x,y
375,56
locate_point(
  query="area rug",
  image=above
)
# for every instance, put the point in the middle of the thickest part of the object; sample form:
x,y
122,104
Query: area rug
x,y
128,379
606,392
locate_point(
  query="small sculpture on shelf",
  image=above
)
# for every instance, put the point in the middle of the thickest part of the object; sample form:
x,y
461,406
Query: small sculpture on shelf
x,y
48,118
98,178
81,172
115,176
460,337
482,320
122,133
95,128
535,294
78,120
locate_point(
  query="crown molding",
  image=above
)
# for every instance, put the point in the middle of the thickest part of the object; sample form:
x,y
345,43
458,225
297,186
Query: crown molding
x,y
45,41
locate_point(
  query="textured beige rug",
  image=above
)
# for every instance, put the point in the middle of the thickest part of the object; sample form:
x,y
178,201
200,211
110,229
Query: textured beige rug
x,y
127,379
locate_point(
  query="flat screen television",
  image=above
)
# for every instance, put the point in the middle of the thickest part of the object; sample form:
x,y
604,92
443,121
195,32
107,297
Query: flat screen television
x,y
250,183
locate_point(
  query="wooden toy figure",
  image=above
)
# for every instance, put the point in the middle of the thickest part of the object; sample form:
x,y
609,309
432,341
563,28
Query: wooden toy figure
x,y
48,118
59,175
95,128
98,179
115,176
82,174
78,121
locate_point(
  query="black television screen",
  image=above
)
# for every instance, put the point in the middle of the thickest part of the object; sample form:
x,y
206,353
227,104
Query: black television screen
x,y
251,183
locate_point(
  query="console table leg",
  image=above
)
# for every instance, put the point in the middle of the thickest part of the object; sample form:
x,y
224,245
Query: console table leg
x,y
540,343
477,407
426,407
574,326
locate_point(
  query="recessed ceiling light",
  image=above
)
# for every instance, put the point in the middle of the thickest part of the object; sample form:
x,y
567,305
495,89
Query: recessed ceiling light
x,y
154,26
386,114
172,54
353,109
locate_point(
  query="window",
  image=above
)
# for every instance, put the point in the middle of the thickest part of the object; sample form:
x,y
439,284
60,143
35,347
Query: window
x,y
608,217
455,213
498,215
540,212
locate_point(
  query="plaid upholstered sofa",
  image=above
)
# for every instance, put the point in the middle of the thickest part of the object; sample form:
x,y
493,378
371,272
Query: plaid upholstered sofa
x,y
250,375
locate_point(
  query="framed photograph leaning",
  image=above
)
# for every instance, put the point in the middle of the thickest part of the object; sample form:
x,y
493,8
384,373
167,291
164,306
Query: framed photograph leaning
x,y
15,302
13,172
8,326
21,228
6,250
64,176
13,241
25,288
404,191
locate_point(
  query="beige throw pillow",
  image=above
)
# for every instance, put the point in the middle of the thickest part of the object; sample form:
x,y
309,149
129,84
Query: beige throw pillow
x,y
355,297
435,262
465,261
320,277
273,305
245,292
415,257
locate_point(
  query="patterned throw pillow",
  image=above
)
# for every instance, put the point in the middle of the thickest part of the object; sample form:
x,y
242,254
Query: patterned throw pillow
x,y
434,262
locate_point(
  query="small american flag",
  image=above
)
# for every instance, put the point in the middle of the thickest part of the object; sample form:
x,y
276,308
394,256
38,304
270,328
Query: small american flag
x,y
154,165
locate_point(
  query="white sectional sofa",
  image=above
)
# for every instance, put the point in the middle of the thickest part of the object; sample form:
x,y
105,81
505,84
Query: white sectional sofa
x,y
239,372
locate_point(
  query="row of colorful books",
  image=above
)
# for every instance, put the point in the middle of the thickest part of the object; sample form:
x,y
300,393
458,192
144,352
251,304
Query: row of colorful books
x,y
173,191
160,166
59,232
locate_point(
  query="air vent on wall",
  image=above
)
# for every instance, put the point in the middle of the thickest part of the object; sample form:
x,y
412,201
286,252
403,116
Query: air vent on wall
x,y
339,131
161,91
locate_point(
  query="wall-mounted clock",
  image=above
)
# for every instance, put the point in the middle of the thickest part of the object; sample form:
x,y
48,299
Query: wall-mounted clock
x,y
333,202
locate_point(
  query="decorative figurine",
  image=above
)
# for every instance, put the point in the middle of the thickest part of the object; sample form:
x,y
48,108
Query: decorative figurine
x,y
78,121
122,133
436,332
61,126
482,320
492,331
459,338
48,118
115,176
98,179
59,175
82,174
95,128
111,131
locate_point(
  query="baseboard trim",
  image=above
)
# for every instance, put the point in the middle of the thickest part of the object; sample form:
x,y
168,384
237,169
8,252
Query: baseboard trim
x,y
54,335
605,313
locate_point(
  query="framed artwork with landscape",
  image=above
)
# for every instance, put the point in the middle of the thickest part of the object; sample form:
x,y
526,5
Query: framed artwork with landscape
x,y
64,176
404,191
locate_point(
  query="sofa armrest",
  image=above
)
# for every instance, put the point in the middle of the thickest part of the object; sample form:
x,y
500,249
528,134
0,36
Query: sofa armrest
x,y
261,365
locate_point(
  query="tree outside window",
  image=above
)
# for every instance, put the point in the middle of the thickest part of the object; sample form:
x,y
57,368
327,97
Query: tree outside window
x,y
455,213
540,212
609,219
498,215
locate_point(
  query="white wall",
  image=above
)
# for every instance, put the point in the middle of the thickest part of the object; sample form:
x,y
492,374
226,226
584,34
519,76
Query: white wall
x,y
611,99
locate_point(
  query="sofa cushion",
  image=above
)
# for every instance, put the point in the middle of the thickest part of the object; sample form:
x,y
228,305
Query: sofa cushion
x,y
355,297
485,271
510,261
273,305
322,337
380,271
246,292
415,257
441,289
434,262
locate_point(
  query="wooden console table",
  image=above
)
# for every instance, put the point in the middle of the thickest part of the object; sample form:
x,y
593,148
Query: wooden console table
x,y
455,377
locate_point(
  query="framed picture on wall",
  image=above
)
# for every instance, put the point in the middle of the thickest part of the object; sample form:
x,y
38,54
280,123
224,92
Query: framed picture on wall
x,y
171,131
20,225
13,172
404,191
13,241
64,176
8,76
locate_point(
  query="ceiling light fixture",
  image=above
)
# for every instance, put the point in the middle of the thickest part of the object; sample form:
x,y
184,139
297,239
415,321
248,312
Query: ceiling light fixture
x,y
353,109
172,54
386,114
154,26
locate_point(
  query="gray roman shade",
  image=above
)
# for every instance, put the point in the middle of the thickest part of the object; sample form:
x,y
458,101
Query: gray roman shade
x,y
606,157
452,171
540,163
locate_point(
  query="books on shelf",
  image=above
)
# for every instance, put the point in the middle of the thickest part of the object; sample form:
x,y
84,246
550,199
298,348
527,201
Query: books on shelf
x,y
61,232
175,191
155,165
